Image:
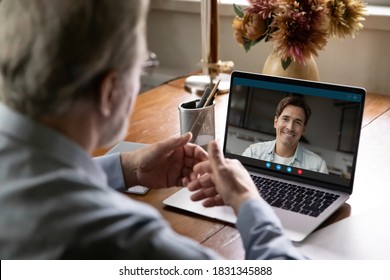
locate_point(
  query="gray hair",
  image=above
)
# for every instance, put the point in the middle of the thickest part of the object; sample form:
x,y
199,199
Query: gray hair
x,y
54,51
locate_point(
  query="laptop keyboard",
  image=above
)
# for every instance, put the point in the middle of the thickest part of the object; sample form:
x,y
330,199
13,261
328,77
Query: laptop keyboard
x,y
294,198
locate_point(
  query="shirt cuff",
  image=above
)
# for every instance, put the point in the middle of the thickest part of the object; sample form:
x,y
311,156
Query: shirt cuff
x,y
257,212
111,164
262,233
256,218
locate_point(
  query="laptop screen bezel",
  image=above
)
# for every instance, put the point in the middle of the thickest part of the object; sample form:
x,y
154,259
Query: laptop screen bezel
x,y
250,164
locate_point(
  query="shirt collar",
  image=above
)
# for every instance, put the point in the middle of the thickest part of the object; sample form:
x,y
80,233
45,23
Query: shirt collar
x,y
271,150
298,156
49,142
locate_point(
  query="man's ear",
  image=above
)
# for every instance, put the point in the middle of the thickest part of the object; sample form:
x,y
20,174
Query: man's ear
x,y
275,121
107,90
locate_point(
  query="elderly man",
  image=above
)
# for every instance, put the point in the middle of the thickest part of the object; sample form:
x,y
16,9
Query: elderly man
x,y
69,79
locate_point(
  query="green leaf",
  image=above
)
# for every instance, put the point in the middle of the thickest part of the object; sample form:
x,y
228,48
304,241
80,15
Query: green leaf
x,y
286,63
247,44
238,10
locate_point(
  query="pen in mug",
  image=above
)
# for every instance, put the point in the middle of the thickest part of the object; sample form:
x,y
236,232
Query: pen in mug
x,y
197,125
204,97
212,94
205,101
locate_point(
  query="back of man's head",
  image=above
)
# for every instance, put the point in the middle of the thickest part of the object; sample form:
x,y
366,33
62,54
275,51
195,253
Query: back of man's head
x,y
54,51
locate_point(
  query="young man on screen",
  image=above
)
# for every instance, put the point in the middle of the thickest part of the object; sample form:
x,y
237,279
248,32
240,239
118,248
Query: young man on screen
x,y
291,117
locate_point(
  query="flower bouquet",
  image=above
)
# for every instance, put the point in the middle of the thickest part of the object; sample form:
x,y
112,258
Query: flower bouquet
x,y
297,28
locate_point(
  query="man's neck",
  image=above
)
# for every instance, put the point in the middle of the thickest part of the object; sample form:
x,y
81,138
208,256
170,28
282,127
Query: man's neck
x,y
77,125
284,150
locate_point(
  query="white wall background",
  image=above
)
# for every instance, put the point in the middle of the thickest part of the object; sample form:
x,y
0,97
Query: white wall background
x,y
174,34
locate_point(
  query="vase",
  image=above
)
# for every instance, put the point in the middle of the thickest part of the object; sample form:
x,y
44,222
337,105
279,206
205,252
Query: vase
x,y
307,71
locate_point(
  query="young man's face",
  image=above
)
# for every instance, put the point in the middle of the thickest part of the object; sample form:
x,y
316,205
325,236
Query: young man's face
x,y
290,126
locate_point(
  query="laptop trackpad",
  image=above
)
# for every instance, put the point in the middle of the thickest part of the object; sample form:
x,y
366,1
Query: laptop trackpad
x,y
181,199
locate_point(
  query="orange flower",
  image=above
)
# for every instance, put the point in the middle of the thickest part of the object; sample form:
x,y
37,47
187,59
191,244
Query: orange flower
x,y
237,30
249,28
253,26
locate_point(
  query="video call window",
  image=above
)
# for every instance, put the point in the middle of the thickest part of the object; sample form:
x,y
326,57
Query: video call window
x,y
329,133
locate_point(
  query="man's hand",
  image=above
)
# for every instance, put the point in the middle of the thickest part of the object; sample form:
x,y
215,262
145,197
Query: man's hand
x,y
221,181
163,164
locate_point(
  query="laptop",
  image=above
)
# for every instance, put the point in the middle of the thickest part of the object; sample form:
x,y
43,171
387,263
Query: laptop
x,y
307,187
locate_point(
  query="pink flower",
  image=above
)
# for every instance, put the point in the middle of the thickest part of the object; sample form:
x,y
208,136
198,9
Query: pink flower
x,y
262,7
300,29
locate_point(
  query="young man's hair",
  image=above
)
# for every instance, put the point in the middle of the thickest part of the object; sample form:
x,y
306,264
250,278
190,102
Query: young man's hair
x,y
54,51
294,101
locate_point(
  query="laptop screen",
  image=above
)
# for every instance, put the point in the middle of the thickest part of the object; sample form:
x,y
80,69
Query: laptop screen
x,y
295,129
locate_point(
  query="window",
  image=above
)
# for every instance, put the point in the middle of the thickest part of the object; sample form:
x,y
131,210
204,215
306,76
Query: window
x,y
378,2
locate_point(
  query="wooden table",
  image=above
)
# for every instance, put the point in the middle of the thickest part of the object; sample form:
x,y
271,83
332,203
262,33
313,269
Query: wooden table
x,y
156,117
